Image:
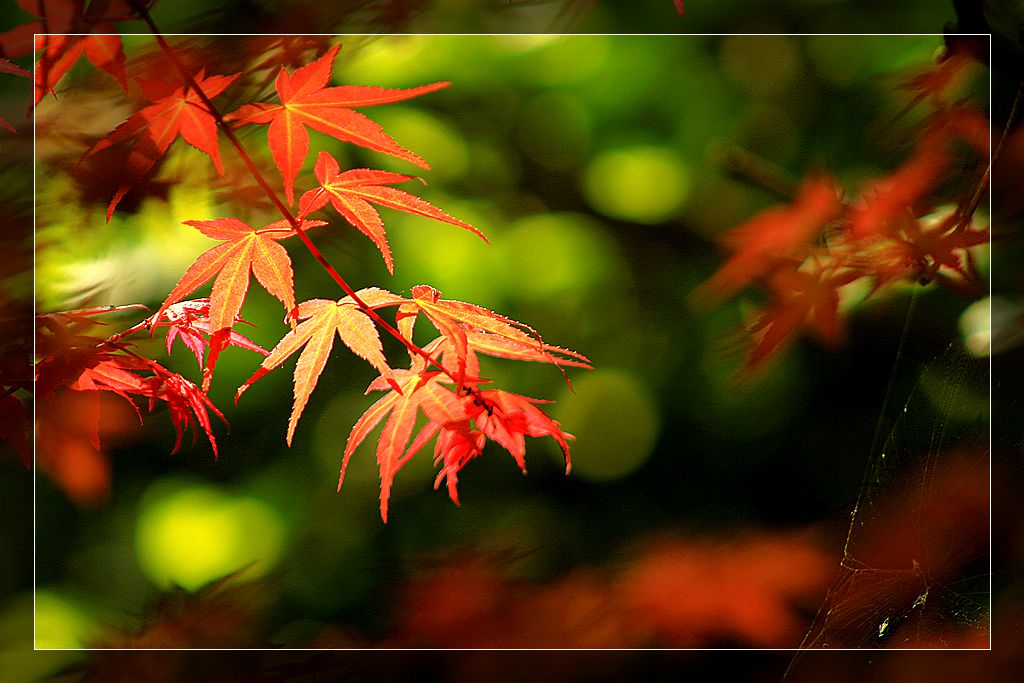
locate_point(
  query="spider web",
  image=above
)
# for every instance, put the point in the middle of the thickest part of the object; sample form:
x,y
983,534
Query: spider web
x,y
916,563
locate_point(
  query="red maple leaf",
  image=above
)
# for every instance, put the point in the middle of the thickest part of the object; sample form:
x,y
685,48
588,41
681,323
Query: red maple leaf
x,y
306,100
500,416
60,52
885,203
70,360
456,445
353,192
506,418
940,82
12,69
189,321
74,373
462,420
185,402
65,16
924,251
106,367
244,250
118,373
177,110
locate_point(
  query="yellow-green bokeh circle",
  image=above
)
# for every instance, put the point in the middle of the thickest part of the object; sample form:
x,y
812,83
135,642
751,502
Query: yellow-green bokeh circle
x,y
642,184
556,255
61,623
615,421
191,535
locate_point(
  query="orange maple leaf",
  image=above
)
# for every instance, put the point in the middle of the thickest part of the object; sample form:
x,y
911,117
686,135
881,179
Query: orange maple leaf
x,y
323,319
352,192
245,249
456,319
418,391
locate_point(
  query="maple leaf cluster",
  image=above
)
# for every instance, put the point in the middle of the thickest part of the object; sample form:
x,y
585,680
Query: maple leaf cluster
x,y
443,380
899,228
73,371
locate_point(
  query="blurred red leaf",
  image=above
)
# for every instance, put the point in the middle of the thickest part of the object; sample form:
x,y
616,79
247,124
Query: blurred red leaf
x,y
894,196
750,590
885,202
802,300
941,81
774,236
69,425
743,591
177,110
924,252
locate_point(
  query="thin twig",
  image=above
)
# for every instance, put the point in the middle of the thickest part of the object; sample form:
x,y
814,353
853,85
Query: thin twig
x,y
758,172
979,192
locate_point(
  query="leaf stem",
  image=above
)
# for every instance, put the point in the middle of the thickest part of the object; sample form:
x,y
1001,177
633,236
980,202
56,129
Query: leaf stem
x,y
137,327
